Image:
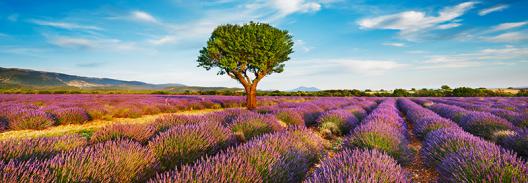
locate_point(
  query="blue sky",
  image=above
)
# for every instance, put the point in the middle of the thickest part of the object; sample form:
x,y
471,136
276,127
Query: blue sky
x,y
338,44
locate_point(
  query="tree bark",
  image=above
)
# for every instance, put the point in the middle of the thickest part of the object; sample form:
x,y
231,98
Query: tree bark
x,y
251,97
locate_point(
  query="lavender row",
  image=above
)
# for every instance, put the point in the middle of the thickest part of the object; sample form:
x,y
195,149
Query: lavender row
x,y
481,124
383,129
18,112
129,161
459,156
519,119
487,126
279,157
369,151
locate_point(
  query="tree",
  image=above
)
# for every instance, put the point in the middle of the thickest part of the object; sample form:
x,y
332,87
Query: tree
x,y
247,53
445,87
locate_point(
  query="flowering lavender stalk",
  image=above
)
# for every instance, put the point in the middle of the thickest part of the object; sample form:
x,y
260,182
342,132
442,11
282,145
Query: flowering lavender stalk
x,y
137,132
22,119
368,166
384,130
185,144
442,142
336,122
517,142
70,115
246,127
278,157
484,124
26,171
483,164
292,117
38,148
424,120
113,161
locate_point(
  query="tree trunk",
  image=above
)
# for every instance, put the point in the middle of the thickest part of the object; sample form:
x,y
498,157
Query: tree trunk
x,y
251,97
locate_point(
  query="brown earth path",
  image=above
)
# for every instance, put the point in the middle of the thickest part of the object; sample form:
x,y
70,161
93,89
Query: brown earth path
x,y
420,173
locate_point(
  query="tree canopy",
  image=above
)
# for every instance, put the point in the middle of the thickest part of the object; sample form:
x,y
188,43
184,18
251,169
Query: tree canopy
x,y
247,53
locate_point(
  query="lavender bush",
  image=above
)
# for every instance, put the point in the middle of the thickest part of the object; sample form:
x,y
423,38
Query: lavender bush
x,y
291,117
484,124
245,127
336,122
113,161
440,143
137,132
38,148
185,144
483,164
279,157
368,166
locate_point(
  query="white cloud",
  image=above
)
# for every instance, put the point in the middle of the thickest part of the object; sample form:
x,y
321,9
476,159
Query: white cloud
x,y
369,67
302,45
395,44
413,22
497,56
508,37
509,25
65,25
143,16
92,43
293,6
74,42
163,40
261,11
448,25
492,9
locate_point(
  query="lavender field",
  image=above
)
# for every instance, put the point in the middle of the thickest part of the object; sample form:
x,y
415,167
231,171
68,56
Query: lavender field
x,y
285,139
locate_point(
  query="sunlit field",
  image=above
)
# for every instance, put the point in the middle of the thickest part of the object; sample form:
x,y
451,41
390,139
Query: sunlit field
x,y
117,138
263,91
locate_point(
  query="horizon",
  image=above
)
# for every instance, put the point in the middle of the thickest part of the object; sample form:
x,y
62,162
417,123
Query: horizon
x,y
370,45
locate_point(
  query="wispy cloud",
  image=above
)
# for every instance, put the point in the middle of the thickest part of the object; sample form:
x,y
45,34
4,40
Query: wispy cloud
x,y
143,16
92,43
394,44
292,6
484,57
412,23
90,65
262,11
492,9
65,25
370,67
508,37
303,45
509,25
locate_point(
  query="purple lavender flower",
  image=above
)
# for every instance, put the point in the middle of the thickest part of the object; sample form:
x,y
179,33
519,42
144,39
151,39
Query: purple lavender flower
x,y
292,117
369,166
138,132
483,164
38,148
113,161
442,142
336,122
185,144
484,124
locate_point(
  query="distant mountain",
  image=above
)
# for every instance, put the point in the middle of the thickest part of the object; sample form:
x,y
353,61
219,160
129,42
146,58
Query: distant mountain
x,y
303,88
13,77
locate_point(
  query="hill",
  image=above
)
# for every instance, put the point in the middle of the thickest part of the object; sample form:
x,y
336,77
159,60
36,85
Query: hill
x,y
303,88
11,78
